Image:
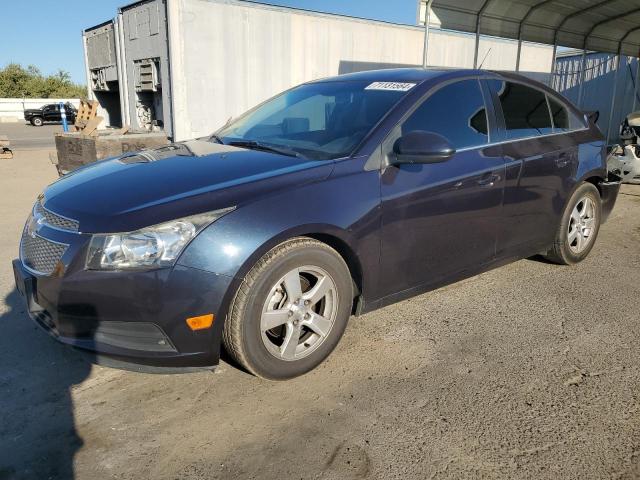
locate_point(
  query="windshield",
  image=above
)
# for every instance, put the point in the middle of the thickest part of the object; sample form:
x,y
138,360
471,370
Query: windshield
x,y
319,120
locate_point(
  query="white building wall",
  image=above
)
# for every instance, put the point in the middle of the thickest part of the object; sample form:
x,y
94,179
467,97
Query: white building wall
x,y
456,49
12,109
228,56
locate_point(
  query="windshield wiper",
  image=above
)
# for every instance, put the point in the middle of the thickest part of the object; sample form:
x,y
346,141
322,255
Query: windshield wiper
x,y
216,138
251,144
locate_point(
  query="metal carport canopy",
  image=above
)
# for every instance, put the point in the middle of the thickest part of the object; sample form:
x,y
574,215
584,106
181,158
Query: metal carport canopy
x,y
610,26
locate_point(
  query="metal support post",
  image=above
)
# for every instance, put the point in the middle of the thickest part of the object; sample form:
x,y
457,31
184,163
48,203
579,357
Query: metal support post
x,y
519,53
477,46
478,20
553,65
636,90
63,116
583,63
615,92
427,21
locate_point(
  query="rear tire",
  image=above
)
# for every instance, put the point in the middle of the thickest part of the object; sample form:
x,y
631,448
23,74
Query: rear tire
x,y
303,290
37,121
578,228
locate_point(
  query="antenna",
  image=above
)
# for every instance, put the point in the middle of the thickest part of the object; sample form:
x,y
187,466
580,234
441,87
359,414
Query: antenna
x,y
485,57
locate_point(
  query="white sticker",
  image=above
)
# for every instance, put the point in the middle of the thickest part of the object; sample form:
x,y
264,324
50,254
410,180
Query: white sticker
x,y
394,86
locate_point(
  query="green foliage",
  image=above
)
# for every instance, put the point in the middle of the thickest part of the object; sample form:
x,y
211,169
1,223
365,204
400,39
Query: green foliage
x,y
17,82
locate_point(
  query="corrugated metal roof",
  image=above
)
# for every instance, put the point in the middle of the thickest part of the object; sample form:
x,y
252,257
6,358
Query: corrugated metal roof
x,y
601,25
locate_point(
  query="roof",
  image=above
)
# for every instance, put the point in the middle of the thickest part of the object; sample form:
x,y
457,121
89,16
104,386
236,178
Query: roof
x,y
601,25
419,75
134,4
100,25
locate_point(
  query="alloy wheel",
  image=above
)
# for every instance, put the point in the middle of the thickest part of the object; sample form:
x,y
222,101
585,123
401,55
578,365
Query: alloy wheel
x,y
299,312
582,225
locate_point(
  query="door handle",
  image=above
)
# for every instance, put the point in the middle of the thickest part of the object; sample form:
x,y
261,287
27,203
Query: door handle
x,y
563,160
489,181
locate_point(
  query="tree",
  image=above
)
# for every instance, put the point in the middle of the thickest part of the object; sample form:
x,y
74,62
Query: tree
x,y
17,81
63,76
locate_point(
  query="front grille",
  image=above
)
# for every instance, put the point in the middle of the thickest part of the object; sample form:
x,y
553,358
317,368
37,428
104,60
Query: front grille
x,y
55,220
39,254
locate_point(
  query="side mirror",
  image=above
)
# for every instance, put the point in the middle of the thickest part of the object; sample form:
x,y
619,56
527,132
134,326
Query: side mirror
x,y
422,147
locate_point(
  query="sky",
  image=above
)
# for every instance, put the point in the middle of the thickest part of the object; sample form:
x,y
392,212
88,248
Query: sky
x,y
47,33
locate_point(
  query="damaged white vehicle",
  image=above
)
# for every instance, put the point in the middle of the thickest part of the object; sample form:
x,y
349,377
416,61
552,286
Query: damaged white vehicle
x,y
624,160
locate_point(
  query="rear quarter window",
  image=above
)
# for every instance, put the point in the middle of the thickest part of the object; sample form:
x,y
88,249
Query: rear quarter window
x,y
563,119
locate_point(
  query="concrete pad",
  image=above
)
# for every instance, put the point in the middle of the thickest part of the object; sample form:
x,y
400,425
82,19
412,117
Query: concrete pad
x,y
24,136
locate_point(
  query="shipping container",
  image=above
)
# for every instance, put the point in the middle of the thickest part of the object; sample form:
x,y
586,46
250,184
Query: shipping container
x,y
101,61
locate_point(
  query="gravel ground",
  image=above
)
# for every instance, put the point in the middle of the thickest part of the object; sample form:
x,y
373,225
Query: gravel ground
x,y
528,371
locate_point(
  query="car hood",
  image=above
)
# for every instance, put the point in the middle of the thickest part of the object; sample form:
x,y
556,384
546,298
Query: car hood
x,y
150,187
33,110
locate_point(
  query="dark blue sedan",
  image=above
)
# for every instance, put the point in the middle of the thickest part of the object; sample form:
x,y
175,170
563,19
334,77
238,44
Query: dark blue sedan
x,y
332,199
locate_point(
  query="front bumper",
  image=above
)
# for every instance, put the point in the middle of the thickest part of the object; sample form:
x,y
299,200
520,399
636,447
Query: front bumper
x,y
132,317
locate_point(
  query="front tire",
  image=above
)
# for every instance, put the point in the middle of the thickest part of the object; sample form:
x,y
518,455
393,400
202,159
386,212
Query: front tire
x,y
290,311
37,121
578,228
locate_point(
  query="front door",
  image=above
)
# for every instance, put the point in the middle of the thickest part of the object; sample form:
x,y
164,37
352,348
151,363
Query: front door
x,y
441,219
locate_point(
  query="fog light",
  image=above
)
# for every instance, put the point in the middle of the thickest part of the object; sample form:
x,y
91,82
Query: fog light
x,y
202,322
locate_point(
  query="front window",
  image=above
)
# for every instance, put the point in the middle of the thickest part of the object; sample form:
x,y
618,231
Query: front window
x,y
457,112
320,120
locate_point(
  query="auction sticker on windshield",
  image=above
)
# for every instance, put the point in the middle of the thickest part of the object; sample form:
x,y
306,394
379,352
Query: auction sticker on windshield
x,y
395,86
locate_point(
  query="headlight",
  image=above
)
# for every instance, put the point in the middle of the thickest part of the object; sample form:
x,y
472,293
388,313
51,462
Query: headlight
x,y
151,247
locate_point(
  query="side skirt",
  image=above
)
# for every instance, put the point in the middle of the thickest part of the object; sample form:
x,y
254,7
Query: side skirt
x,y
369,306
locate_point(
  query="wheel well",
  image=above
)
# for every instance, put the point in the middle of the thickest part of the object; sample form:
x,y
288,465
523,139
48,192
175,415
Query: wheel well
x,y
350,258
595,181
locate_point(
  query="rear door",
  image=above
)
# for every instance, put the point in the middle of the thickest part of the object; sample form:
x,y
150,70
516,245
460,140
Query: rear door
x,y
70,112
540,163
51,113
440,219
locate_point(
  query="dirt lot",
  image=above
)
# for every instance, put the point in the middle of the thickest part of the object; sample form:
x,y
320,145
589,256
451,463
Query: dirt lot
x,y
529,371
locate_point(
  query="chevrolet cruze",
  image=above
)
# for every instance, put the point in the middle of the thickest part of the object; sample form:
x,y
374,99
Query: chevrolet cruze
x,y
332,199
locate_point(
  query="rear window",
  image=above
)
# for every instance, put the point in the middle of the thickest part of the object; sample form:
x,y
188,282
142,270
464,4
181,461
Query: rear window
x,y
525,110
